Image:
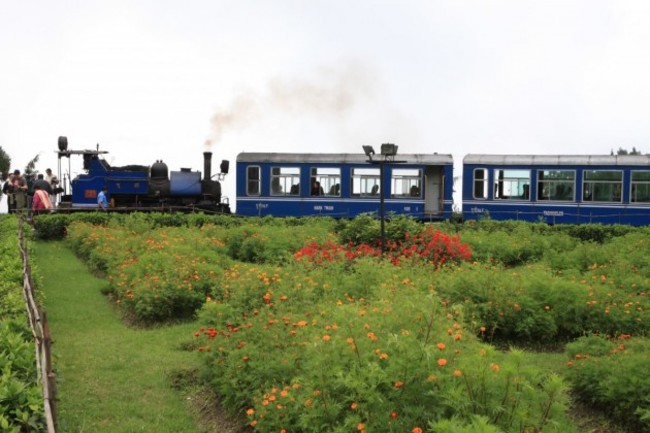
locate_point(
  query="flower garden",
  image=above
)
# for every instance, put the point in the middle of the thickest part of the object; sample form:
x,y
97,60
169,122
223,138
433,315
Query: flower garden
x,y
303,325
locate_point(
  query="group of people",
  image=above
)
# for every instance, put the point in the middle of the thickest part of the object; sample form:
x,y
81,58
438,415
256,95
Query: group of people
x,y
32,194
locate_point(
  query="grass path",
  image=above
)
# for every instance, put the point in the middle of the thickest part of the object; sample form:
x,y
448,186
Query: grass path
x,y
111,378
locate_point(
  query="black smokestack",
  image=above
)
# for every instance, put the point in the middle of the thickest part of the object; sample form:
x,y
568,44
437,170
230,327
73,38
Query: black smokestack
x,y
207,165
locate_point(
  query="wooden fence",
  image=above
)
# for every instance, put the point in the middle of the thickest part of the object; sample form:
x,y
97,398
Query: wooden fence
x,y
41,333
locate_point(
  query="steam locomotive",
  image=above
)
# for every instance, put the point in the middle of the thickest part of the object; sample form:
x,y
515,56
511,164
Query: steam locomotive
x,y
138,187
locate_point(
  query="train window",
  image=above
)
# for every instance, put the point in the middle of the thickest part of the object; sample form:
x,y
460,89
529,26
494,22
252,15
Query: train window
x,y
556,185
480,183
602,185
406,183
511,184
253,180
329,179
285,181
640,189
365,181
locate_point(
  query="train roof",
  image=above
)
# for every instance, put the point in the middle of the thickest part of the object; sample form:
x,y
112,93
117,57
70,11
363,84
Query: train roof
x,y
340,158
594,160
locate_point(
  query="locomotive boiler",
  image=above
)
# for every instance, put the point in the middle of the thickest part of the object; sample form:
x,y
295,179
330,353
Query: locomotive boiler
x,y
141,187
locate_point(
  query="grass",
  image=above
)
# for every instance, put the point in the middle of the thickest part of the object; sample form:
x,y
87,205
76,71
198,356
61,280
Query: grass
x,y
111,377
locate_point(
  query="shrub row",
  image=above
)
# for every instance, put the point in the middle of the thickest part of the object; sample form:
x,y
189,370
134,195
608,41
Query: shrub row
x,y
611,375
21,400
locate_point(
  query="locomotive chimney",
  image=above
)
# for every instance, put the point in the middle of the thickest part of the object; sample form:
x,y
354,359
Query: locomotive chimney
x,y
207,165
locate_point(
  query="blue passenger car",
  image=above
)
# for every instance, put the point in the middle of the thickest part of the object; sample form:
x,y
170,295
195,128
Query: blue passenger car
x,y
343,185
558,188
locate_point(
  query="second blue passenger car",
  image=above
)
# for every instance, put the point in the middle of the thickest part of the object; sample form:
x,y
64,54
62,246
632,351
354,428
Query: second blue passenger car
x,y
343,185
575,189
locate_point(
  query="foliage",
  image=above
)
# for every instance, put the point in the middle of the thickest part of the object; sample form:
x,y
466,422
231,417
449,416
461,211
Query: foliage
x,y
5,162
366,229
268,244
21,402
611,374
276,331
155,274
393,362
31,165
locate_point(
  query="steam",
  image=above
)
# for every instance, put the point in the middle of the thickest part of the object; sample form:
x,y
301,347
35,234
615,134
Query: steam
x,y
330,96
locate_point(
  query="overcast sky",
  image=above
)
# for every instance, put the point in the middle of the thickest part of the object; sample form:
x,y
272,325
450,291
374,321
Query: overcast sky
x,y
157,79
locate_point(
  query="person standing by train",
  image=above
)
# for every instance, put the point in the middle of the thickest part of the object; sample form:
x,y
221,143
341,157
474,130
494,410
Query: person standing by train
x,y
102,199
41,201
19,191
42,183
51,179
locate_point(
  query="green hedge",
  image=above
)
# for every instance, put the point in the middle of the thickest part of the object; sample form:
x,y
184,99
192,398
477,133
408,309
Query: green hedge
x,y
21,401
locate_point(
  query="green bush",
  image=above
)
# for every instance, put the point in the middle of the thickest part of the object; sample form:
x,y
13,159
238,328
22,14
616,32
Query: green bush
x,y
366,229
272,244
21,400
612,375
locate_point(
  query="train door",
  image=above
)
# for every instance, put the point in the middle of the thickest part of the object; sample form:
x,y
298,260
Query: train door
x,y
433,187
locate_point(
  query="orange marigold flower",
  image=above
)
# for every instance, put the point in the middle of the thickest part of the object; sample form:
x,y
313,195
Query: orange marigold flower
x,y
441,346
326,338
353,405
416,430
482,328
394,415
457,373
250,412
442,362
253,423
398,384
495,367
361,426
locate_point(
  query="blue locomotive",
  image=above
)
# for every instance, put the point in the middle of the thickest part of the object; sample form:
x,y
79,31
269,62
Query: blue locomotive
x,y
142,187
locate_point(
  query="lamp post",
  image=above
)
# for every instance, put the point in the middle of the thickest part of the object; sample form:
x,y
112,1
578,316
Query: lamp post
x,y
387,156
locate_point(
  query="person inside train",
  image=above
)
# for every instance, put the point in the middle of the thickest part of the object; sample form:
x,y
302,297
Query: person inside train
x,y
276,188
316,189
374,190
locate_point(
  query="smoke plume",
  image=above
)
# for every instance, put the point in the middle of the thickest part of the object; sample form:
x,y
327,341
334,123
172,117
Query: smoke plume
x,y
329,96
